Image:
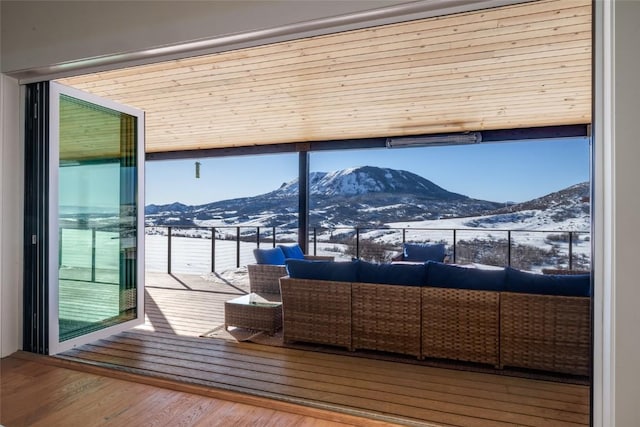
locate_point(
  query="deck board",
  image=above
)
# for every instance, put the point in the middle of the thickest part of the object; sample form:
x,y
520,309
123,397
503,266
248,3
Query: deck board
x,y
180,308
36,392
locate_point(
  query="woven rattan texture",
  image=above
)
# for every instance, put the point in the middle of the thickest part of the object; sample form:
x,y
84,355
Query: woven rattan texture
x,y
386,318
316,311
551,333
460,324
264,278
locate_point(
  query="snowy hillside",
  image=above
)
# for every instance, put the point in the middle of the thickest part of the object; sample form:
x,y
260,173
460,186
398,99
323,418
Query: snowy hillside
x,y
364,196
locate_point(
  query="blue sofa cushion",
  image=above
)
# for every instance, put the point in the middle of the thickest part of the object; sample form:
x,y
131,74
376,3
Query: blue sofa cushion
x,y
423,252
575,285
392,274
292,251
273,256
442,275
322,270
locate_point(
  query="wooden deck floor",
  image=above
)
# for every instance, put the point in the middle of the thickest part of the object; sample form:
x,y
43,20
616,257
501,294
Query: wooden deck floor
x,y
36,392
183,307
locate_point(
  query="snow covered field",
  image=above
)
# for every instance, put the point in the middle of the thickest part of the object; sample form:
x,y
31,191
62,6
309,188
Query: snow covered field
x,y
191,249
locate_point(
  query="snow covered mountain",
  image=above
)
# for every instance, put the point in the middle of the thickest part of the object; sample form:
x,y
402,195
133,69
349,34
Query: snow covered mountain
x,y
371,196
356,196
366,180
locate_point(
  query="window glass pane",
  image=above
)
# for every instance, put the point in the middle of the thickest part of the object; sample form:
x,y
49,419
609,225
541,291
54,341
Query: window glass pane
x,y
97,216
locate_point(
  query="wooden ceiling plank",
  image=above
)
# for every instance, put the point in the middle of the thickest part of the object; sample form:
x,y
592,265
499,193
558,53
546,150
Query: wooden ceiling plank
x,y
376,78
530,12
362,61
343,52
562,101
434,94
390,88
497,58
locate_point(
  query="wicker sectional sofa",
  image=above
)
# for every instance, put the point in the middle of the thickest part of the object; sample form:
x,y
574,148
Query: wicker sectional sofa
x,y
504,317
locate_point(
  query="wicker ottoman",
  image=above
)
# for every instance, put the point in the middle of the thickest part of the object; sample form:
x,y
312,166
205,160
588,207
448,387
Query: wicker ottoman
x,y
261,312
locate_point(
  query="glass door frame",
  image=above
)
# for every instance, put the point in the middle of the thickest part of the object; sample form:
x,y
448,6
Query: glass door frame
x,y
55,92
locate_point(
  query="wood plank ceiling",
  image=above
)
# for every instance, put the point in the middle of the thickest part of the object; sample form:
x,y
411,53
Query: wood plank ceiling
x,y
513,67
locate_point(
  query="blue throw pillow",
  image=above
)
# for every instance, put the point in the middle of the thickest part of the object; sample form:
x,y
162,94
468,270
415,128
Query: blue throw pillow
x,y
273,256
322,270
571,285
292,251
451,276
423,252
392,274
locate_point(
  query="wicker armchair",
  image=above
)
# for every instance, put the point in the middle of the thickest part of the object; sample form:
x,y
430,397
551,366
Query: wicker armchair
x,y
264,278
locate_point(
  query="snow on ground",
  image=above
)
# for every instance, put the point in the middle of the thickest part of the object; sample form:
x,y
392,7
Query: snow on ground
x,y
191,249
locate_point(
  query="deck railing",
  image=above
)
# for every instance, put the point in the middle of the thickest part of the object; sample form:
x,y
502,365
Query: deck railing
x,y
190,249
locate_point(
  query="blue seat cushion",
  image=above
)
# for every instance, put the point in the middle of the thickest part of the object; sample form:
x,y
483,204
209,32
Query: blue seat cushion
x,y
322,270
574,285
273,256
292,251
423,252
442,275
392,274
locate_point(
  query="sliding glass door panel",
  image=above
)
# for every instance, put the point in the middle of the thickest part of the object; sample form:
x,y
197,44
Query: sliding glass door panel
x,y
96,221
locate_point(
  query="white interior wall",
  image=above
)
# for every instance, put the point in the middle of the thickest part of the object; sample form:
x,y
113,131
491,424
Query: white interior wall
x,y
11,208
625,147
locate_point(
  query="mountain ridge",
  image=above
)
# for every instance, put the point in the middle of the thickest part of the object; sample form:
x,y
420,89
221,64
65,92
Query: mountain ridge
x,y
362,196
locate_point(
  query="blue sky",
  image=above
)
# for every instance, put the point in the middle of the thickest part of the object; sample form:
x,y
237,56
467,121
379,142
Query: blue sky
x,y
500,172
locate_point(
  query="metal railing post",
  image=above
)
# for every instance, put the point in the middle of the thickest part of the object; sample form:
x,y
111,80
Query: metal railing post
x,y
571,250
315,240
273,234
509,248
93,254
213,249
358,242
454,246
237,247
404,236
257,237
168,250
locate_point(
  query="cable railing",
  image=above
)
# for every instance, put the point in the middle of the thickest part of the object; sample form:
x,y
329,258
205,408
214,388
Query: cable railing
x,y
92,255
190,249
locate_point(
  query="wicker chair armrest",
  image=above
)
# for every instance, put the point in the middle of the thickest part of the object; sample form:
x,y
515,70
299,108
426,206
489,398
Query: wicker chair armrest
x,y
319,257
265,278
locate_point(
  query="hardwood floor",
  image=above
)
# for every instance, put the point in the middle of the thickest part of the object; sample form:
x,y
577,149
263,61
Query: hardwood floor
x,y
179,308
34,392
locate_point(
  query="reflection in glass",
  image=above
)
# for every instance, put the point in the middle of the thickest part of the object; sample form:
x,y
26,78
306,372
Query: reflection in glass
x,y
97,217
